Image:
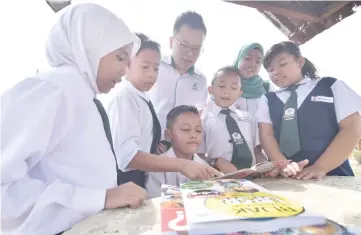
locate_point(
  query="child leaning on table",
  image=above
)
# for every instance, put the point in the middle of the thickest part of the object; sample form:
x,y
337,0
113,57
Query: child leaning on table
x,y
184,131
230,135
311,120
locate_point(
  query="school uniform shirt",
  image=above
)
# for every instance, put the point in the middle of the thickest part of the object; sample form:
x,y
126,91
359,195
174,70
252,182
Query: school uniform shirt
x,y
130,121
216,139
57,162
322,104
173,89
250,105
155,180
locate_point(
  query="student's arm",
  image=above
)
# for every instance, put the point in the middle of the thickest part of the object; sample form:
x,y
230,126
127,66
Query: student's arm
x,y
124,120
270,145
225,166
266,135
347,107
34,118
259,155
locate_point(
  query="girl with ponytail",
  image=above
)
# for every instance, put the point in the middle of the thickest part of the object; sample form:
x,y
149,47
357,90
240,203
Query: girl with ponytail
x,y
313,121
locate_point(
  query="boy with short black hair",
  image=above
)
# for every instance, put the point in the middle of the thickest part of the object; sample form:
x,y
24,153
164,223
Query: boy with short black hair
x,y
135,127
184,131
231,138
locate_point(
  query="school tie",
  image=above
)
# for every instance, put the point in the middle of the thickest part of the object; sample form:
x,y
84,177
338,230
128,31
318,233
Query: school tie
x,y
242,156
156,129
289,136
138,176
106,126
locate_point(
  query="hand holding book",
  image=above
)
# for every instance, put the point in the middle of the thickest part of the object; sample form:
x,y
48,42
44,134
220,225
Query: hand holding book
x,y
257,170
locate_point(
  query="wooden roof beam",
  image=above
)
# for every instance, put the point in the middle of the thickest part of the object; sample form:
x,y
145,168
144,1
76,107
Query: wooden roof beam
x,y
333,8
291,13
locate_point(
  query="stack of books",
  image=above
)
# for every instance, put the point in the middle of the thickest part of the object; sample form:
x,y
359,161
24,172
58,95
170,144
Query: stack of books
x,y
237,206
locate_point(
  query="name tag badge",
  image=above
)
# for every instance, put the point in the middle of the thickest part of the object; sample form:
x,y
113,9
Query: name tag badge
x,y
324,99
243,118
237,138
289,114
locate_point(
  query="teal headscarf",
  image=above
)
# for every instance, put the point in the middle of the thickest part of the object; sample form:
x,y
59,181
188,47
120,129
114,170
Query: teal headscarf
x,y
253,87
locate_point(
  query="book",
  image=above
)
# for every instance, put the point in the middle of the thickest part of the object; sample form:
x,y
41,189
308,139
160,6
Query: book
x,y
174,222
227,205
255,171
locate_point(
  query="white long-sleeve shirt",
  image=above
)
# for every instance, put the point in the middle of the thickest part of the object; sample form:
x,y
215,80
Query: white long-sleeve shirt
x,y
56,160
131,122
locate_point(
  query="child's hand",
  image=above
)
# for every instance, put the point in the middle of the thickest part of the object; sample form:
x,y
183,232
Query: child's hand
x,y
282,165
225,166
161,148
311,172
197,171
128,194
293,168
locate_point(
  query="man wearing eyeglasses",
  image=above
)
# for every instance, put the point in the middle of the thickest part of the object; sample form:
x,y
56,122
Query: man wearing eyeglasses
x,y
179,82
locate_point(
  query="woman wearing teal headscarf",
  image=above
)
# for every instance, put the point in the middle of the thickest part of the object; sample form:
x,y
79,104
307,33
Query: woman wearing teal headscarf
x,y
249,62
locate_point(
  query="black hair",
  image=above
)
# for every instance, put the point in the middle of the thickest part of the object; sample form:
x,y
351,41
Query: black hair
x,y
225,69
147,43
308,69
191,19
177,111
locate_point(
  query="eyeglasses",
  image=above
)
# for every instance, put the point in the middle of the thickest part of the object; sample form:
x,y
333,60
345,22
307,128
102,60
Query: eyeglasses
x,y
187,48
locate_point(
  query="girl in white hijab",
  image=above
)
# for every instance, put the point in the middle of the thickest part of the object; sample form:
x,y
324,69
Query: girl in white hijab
x,y
57,163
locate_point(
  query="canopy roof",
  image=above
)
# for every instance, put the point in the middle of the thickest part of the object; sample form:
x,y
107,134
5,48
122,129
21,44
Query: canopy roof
x,y
298,20
302,20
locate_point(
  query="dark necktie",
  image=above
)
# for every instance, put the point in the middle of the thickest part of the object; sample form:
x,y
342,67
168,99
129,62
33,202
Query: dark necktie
x,y
108,133
242,156
138,176
156,129
289,136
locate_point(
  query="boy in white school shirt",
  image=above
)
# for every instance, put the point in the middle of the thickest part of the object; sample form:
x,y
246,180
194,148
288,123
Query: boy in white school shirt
x,y
135,127
57,165
231,139
179,82
184,131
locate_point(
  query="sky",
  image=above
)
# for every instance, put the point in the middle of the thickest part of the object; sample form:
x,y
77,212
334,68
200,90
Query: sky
x,y
335,51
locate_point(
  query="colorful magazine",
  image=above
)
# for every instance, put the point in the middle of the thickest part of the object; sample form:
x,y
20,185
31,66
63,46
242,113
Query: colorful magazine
x,y
218,205
173,220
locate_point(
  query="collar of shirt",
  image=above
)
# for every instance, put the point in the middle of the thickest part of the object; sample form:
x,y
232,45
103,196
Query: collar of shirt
x,y
170,153
170,61
216,109
303,81
131,87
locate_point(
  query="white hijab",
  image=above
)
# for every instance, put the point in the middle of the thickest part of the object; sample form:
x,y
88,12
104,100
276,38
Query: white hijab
x,y
83,34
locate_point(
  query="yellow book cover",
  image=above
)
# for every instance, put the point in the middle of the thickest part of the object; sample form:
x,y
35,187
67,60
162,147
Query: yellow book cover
x,y
214,203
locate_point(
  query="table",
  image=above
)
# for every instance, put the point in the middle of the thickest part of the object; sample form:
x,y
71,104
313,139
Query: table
x,y
337,198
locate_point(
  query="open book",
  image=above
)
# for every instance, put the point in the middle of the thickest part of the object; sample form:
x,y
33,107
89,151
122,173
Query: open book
x,y
256,170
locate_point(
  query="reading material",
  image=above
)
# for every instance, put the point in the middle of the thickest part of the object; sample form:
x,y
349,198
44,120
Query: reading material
x,y
227,205
174,222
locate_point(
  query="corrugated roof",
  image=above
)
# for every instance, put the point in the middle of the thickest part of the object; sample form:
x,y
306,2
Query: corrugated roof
x,y
302,20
